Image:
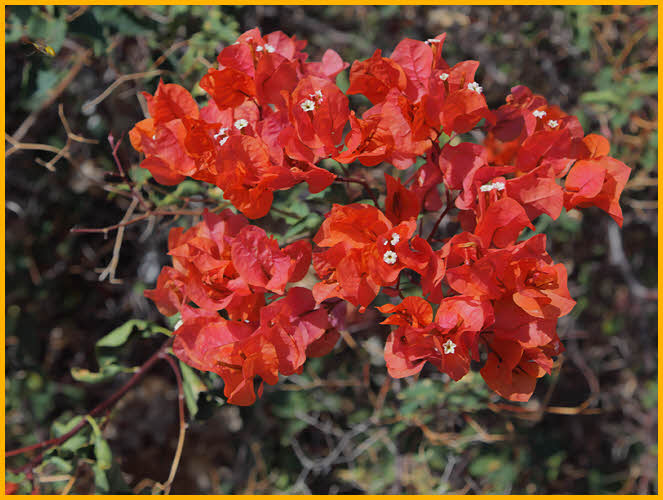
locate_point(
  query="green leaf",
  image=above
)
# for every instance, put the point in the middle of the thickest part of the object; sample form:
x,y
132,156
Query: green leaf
x,y
192,386
100,480
101,449
58,463
602,96
121,334
107,372
75,442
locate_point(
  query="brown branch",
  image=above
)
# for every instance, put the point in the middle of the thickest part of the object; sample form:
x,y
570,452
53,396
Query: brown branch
x,y
170,50
180,441
108,403
139,218
442,215
109,270
130,182
349,180
90,105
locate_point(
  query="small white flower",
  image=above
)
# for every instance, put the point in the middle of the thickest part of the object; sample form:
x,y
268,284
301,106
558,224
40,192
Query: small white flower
x,y
154,137
539,113
259,48
444,76
395,238
552,123
222,131
241,123
308,105
499,186
269,48
390,257
385,243
449,347
223,140
318,93
475,87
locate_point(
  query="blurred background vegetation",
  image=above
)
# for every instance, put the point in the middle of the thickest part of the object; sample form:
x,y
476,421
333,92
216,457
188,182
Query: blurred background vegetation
x,y
343,426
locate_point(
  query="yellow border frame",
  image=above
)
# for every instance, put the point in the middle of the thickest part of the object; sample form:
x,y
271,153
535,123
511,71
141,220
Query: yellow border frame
x,y
268,2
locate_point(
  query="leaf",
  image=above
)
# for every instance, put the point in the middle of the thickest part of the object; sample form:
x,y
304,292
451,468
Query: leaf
x,y
121,334
102,450
61,465
193,386
75,442
106,373
100,480
107,351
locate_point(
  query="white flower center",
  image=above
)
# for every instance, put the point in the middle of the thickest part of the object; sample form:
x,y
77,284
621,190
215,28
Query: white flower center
x,y
223,131
499,186
449,347
474,87
444,76
241,123
390,257
269,48
395,238
259,48
539,113
552,123
308,105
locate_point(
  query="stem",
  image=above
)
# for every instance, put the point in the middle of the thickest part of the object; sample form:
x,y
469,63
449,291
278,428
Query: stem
x,y
346,170
134,220
363,183
98,409
141,200
445,212
180,440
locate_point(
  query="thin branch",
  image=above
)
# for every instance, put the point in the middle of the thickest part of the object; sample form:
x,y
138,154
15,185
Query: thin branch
x,y
180,441
170,50
90,105
108,403
123,173
442,215
351,180
112,265
138,218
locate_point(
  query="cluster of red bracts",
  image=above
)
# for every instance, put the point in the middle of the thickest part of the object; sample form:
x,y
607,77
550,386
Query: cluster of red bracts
x,y
224,264
272,116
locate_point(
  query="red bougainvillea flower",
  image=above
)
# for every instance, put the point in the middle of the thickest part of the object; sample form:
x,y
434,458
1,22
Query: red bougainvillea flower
x,y
449,342
597,182
365,251
161,136
511,370
271,117
225,263
288,330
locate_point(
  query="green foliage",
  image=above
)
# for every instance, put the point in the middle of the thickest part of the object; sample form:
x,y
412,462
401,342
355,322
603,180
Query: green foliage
x,y
109,348
193,387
